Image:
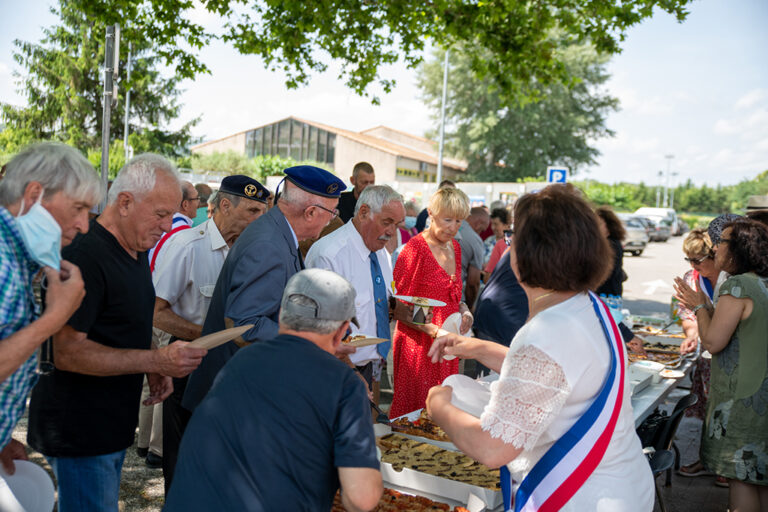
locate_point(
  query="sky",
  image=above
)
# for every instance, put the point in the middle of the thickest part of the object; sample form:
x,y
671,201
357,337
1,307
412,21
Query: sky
x,y
697,91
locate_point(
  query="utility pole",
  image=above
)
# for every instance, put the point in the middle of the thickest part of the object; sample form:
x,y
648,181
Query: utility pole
x,y
442,121
672,192
666,187
111,59
126,146
658,189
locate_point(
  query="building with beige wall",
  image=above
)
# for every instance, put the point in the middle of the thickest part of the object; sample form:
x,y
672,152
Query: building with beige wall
x,y
396,156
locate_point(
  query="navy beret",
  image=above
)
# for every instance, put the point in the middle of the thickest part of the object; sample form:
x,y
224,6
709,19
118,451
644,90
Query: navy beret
x,y
244,186
315,180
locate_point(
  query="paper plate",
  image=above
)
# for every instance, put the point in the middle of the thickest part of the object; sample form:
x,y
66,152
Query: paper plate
x,y
420,301
452,324
648,366
364,342
215,339
671,374
469,395
29,489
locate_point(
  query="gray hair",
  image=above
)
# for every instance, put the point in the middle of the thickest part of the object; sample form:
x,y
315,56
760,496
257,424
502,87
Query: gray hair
x,y
57,167
296,196
138,176
376,197
304,323
218,195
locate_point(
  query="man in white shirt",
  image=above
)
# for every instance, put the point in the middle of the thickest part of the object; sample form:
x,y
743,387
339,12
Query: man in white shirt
x,y
349,251
185,278
182,219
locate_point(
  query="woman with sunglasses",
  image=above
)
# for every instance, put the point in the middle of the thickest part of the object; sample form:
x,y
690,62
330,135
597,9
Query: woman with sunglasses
x,y
735,331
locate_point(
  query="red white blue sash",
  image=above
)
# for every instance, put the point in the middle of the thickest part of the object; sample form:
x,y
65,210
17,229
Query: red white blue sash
x,y
705,286
572,459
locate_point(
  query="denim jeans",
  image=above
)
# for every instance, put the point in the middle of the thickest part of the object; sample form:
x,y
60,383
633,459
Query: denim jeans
x,y
88,484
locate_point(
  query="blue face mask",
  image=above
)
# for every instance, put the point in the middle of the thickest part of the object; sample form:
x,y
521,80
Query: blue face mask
x,y
41,234
410,222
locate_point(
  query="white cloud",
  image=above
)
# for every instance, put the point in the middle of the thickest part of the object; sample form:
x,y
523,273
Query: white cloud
x,y
752,98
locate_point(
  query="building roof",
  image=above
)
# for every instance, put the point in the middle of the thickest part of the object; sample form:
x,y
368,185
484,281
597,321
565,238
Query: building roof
x,y
381,144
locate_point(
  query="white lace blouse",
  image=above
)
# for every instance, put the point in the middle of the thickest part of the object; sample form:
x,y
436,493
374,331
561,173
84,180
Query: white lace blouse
x,y
555,367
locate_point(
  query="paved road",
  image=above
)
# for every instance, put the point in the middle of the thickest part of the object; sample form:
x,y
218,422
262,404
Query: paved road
x,y
649,287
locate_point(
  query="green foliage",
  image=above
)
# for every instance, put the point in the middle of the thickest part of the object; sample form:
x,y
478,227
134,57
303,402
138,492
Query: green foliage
x,y
259,167
506,139
512,37
116,158
64,91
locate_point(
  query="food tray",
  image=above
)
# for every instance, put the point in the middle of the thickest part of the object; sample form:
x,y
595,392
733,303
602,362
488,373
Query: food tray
x,y
413,416
638,379
418,482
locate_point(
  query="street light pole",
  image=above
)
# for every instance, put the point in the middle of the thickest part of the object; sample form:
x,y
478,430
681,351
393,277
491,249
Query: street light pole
x,y
658,189
442,121
126,146
111,53
666,187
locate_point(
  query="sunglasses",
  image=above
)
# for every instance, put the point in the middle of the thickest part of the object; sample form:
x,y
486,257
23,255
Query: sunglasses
x,y
508,233
696,261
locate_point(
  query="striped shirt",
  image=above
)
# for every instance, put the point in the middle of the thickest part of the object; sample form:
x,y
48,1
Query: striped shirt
x,y
18,308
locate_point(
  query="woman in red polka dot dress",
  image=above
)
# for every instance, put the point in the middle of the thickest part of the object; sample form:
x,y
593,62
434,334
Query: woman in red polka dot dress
x,y
429,265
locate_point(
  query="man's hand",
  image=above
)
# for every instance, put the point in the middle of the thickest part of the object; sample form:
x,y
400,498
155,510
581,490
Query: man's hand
x,y
160,388
635,345
65,291
14,450
344,350
178,359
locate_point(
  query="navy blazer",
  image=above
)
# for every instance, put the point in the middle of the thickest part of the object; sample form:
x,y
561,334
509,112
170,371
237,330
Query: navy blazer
x,y
248,291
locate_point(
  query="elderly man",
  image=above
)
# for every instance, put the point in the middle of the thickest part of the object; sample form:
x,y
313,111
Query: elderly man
x,y
264,441
182,219
46,194
184,282
356,252
83,415
362,176
259,265
472,252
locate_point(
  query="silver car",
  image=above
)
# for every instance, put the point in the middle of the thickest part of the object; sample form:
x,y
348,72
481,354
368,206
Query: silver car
x,y
637,236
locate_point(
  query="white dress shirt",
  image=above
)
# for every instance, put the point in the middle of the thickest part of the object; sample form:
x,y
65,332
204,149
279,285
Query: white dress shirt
x,y
344,252
187,270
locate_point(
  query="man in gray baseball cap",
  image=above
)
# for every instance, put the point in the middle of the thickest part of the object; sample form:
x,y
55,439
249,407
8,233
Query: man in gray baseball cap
x,y
267,437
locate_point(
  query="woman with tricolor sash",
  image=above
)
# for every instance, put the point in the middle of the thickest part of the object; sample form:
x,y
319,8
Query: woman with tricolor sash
x,y
559,422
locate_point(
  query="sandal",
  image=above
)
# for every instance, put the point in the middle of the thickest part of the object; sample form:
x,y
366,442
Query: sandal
x,y
721,481
695,469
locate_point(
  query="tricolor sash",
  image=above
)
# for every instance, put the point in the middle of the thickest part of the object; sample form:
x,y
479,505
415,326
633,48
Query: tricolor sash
x,y
705,286
571,460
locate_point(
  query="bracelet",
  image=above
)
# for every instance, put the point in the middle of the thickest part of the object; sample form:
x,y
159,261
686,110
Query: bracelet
x,y
698,307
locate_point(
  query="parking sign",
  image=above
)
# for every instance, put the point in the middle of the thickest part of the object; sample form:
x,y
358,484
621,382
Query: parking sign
x,y
557,174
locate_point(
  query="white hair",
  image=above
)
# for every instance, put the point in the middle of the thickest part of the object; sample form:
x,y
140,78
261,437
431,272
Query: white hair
x,y
376,197
57,167
296,196
139,175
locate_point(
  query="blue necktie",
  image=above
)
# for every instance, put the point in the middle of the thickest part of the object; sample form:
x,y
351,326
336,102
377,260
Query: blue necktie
x,y
382,307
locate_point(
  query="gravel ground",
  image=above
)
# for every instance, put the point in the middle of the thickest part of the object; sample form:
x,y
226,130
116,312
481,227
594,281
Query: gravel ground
x,y
141,488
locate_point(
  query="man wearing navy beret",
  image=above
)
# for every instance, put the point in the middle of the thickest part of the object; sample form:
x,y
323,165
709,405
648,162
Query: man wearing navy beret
x,y
184,279
251,282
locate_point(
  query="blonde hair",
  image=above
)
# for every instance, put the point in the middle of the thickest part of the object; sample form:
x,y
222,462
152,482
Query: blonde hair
x,y
697,244
449,202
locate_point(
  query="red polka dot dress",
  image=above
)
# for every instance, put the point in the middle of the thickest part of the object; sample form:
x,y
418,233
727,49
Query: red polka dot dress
x,y
417,273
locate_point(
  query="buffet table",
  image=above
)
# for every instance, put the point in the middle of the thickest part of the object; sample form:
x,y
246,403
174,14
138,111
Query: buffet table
x,y
646,401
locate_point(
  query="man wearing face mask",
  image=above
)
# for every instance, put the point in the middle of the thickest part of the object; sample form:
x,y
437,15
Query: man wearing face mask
x,y
45,197
356,252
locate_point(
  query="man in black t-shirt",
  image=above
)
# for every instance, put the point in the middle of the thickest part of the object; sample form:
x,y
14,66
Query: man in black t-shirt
x,y
268,439
83,415
362,176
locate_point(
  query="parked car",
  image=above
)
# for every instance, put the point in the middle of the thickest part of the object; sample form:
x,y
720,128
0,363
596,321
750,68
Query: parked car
x,y
666,216
637,236
660,230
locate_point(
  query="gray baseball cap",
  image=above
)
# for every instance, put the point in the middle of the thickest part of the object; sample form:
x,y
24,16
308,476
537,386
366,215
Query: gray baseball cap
x,y
334,295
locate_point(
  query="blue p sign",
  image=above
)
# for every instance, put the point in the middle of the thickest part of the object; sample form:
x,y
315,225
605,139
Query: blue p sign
x,y
557,174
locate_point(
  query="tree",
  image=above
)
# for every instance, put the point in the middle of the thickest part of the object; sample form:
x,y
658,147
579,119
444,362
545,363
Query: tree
x,y
506,139
512,36
63,87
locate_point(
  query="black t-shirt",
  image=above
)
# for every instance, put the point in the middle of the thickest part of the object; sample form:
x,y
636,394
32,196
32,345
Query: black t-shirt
x,y
614,285
421,220
281,418
346,207
72,414
502,307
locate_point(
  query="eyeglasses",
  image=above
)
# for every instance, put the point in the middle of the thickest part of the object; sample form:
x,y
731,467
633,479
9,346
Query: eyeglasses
x,y
334,213
193,198
508,233
696,261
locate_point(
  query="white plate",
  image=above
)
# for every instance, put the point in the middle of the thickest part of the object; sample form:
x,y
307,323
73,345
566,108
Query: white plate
x,y
213,340
671,374
649,366
468,394
364,342
420,301
29,489
452,324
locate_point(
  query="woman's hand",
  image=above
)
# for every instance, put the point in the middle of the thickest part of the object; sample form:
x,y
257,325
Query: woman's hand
x,y
438,397
687,296
688,345
635,345
466,318
451,345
